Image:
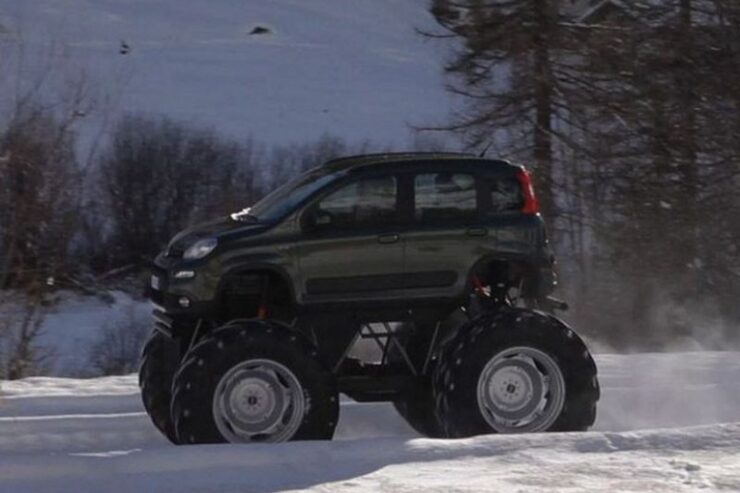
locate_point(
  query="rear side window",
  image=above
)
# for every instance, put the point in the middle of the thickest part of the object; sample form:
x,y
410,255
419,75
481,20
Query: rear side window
x,y
444,198
506,194
365,203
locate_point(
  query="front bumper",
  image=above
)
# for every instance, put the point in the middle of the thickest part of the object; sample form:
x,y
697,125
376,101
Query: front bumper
x,y
165,292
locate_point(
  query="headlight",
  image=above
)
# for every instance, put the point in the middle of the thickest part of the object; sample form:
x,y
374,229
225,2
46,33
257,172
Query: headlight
x,y
200,248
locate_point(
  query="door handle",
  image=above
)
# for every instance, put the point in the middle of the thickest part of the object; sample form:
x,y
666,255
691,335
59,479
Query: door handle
x,y
387,239
476,232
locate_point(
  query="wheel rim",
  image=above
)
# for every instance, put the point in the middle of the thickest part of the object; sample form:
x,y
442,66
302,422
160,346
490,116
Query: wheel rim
x,y
521,389
258,400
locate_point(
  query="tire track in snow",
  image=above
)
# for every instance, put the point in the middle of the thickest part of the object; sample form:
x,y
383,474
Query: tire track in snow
x,y
77,433
85,432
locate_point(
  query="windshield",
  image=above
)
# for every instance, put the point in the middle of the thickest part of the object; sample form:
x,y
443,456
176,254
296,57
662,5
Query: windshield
x,y
275,205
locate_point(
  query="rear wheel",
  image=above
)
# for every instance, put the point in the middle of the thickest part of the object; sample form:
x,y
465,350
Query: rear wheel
x,y
515,371
159,360
416,407
253,381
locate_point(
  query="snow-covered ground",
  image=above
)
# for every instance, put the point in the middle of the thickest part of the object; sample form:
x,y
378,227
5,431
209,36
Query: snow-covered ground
x,y
91,435
355,69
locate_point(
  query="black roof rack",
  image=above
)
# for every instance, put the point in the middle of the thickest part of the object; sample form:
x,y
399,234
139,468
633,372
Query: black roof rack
x,y
350,161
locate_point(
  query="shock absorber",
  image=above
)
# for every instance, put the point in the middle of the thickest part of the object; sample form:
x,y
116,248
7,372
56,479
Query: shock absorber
x,y
262,311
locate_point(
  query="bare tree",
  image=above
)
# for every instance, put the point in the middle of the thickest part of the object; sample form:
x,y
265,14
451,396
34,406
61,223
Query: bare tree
x,y
21,318
38,177
158,176
42,98
117,349
38,180
286,161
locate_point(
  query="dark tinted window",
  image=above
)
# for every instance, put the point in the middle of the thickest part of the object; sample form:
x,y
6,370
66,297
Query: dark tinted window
x,y
506,194
364,203
444,197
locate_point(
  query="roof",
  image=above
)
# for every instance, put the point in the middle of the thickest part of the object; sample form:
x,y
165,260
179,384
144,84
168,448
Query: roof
x,y
362,160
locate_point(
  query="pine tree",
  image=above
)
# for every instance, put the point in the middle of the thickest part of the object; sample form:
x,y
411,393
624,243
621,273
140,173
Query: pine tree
x,y
519,72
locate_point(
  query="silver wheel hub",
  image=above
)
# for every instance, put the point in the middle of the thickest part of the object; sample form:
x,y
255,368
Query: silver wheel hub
x,y
521,389
258,400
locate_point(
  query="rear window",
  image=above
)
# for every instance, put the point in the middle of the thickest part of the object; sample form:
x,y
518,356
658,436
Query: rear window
x,y
506,194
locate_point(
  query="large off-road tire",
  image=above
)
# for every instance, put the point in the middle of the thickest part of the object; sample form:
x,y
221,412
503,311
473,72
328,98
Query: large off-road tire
x,y
416,403
416,407
253,381
159,360
512,371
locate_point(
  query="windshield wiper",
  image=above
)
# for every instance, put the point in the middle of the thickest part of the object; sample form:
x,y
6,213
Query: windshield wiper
x,y
243,216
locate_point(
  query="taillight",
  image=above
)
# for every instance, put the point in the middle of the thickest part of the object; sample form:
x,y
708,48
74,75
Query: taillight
x,y
531,206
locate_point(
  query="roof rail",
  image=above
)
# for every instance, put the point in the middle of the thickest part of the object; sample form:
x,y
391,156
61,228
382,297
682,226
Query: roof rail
x,y
394,155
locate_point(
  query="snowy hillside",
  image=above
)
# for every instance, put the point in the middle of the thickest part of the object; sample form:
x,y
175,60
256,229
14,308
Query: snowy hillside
x,y
356,69
91,435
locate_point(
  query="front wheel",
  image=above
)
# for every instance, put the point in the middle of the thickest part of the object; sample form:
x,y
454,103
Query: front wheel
x,y
253,381
159,360
515,371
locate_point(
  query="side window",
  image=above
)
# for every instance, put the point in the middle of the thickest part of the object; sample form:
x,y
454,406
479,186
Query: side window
x,y
444,197
506,194
365,203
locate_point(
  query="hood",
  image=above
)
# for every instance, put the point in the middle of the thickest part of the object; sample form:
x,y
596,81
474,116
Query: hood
x,y
211,229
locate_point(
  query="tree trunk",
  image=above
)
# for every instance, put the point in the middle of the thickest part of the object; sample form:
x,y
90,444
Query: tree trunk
x,y
543,148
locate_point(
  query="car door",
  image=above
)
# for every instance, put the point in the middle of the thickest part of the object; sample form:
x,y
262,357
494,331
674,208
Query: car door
x,y
351,247
447,234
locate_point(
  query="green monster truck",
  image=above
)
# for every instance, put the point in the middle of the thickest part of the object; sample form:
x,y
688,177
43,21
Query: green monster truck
x,y
439,260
